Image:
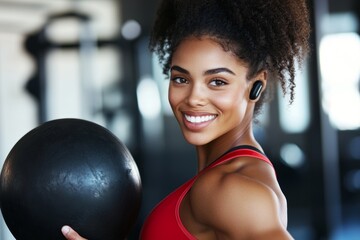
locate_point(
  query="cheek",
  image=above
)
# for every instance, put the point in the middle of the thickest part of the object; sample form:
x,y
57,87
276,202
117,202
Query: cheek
x,y
232,105
173,98
229,100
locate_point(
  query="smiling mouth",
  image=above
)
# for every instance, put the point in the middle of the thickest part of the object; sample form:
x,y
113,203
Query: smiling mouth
x,y
199,119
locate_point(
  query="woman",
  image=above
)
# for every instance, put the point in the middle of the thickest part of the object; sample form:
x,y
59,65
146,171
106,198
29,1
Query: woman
x,y
222,57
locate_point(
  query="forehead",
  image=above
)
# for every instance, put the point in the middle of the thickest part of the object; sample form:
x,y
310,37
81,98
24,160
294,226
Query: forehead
x,y
204,53
199,45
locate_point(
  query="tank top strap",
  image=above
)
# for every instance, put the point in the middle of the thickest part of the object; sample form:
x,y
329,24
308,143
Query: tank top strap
x,y
240,152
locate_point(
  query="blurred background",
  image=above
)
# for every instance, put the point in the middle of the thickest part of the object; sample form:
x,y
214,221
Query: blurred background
x,y
89,59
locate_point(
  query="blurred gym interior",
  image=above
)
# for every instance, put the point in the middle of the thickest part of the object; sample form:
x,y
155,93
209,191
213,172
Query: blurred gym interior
x,y
89,59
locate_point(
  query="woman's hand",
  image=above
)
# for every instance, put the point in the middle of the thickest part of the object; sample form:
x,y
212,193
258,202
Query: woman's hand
x,y
70,234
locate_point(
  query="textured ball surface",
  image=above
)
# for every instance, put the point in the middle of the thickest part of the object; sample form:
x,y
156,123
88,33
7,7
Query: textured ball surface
x,y
73,172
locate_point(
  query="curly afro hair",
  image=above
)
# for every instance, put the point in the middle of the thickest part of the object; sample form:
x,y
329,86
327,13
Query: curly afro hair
x,y
268,35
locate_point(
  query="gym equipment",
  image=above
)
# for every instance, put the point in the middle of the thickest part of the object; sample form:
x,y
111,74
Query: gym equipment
x,y
70,172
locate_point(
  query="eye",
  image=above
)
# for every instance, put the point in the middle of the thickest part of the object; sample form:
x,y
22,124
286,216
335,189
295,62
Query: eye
x,y
217,82
179,80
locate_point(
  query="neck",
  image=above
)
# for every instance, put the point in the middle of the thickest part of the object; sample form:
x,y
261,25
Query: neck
x,y
208,153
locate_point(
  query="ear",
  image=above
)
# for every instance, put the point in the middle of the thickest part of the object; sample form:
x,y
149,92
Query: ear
x,y
258,85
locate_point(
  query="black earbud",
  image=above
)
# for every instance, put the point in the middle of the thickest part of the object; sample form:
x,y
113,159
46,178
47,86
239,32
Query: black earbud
x,y
256,90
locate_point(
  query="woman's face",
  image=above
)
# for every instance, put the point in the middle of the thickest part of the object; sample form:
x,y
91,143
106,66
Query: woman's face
x,y
208,91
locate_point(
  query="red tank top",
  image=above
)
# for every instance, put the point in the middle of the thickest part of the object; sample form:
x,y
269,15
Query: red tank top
x,y
164,221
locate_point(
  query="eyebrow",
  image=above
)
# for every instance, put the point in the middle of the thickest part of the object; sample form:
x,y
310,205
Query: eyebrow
x,y
218,70
179,69
207,72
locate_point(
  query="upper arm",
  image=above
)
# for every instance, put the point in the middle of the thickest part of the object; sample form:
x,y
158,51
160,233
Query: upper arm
x,y
238,207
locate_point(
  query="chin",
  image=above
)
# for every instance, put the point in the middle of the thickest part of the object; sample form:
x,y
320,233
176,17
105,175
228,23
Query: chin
x,y
196,140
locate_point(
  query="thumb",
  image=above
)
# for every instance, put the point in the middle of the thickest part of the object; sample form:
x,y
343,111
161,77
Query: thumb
x,y
70,234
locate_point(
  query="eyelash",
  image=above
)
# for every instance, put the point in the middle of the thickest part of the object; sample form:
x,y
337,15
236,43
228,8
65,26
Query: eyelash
x,y
213,82
217,81
179,80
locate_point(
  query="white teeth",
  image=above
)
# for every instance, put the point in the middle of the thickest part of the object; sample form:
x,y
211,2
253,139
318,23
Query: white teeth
x,y
199,119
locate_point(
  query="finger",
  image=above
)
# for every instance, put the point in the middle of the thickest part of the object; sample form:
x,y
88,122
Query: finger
x,y
70,234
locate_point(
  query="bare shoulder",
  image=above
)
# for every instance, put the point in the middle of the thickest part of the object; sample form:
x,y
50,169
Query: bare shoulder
x,y
240,200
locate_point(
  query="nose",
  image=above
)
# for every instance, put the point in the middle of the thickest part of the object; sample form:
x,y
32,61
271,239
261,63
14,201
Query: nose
x,y
197,95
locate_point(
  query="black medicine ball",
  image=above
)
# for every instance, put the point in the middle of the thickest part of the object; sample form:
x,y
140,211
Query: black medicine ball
x,y
70,172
